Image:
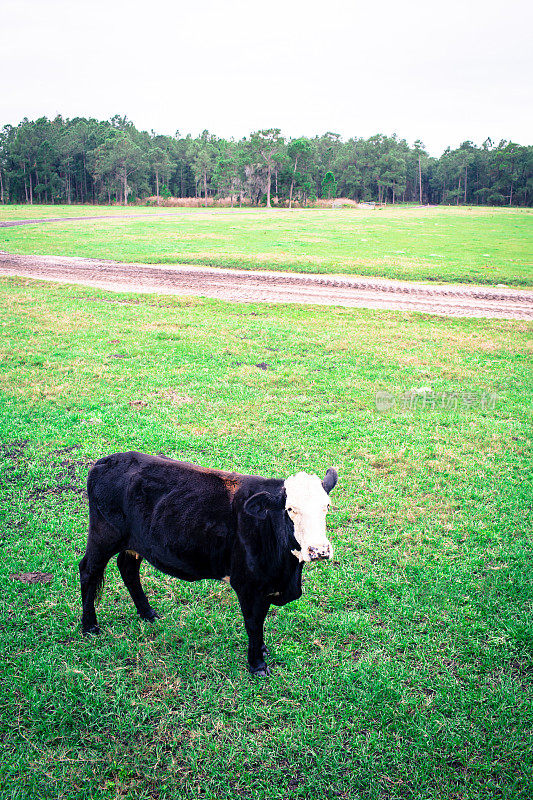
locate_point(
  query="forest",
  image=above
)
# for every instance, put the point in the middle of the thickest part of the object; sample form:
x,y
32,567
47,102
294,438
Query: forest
x,y
84,160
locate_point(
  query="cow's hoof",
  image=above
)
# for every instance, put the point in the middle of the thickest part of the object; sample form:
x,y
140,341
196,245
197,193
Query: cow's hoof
x,y
93,630
260,672
150,616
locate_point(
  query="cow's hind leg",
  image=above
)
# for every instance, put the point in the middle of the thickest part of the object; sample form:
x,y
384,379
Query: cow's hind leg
x,y
102,543
129,564
92,568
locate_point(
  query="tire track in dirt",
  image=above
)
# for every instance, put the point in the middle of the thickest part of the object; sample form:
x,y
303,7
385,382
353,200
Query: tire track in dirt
x,y
276,287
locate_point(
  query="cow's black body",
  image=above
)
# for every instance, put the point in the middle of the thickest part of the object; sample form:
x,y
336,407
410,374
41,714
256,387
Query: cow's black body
x,y
191,523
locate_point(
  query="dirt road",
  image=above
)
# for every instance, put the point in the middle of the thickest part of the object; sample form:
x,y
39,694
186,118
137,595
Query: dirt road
x,y
276,287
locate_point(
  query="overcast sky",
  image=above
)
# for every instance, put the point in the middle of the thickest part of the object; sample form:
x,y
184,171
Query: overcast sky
x,y
440,71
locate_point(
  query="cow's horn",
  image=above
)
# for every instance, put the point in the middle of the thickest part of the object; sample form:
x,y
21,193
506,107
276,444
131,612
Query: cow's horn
x,y
330,480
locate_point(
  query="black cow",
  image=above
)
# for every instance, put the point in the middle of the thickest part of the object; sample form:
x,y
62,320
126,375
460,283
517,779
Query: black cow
x,y
193,523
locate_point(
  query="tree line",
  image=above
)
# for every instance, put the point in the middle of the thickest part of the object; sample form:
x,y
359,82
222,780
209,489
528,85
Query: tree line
x,y
85,160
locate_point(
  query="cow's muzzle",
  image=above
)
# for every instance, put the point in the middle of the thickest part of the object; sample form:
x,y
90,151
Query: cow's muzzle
x,y
320,553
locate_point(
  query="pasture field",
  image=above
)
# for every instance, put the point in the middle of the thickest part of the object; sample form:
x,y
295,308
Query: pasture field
x,y
37,211
405,671
469,245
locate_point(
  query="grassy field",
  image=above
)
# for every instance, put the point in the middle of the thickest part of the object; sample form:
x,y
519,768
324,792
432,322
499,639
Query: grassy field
x,y
472,245
19,211
405,671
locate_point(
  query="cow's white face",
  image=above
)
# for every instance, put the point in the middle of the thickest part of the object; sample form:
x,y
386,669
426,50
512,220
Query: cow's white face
x,y
307,505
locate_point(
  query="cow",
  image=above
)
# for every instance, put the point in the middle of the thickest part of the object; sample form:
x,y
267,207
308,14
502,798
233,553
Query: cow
x,y
194,523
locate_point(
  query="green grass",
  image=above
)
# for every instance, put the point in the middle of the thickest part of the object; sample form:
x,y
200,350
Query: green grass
x,y
405,671
22,211
471,245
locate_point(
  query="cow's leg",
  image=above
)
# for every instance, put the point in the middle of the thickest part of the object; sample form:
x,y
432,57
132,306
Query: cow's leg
x,y
92,568
129,565
254,611
102,543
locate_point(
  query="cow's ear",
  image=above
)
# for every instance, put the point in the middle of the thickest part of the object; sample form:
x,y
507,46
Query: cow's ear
x,y
330,480
258,505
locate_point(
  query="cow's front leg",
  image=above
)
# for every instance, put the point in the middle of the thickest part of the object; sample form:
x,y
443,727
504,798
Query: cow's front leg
x,y
254,610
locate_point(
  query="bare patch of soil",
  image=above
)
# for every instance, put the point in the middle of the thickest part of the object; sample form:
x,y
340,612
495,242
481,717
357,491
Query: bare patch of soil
x,y
451,300
32,577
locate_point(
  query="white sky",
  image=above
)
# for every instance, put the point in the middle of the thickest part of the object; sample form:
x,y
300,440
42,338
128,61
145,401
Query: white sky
x,y
440,71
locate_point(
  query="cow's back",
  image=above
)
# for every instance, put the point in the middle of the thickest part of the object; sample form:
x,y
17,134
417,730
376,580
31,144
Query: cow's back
x,y
169,511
